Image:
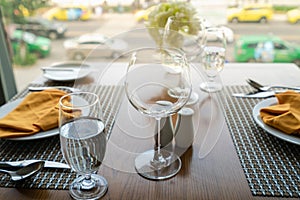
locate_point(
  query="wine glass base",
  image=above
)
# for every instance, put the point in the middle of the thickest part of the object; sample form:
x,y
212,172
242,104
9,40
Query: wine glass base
x,y
210,86
145,167
99,187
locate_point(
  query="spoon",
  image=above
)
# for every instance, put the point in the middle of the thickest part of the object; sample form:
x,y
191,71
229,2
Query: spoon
x,y
20,173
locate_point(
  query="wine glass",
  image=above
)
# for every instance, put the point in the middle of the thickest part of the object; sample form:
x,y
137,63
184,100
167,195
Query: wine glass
x,y
83,142
187,35
213,58
152,75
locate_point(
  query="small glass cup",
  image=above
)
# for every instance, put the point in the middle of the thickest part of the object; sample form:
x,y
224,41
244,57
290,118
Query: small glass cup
x,y
83,142
213,58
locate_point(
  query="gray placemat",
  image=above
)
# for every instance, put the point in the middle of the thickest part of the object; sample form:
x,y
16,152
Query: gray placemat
x,y
271,165
49,148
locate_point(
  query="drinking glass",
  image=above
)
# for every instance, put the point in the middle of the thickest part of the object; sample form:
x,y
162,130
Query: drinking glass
x,y
158,84
83,142
189,36
213,58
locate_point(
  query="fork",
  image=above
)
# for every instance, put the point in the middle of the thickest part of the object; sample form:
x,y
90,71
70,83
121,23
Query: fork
x,y
261,87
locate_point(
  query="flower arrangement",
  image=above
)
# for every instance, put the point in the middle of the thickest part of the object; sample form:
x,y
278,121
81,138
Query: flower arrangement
x,y
169,22
184,17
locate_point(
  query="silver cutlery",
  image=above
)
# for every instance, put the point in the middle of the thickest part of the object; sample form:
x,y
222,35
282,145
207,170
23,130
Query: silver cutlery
x,y
259,94
48,164
261,87
57,69
35,89
254,95
23,172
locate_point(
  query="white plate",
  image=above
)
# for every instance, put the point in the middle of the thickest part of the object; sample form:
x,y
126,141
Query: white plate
x,y
275,132
78,71
8,107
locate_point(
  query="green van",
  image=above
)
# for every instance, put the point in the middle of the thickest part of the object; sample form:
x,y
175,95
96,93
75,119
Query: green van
x,y
41,46
250,48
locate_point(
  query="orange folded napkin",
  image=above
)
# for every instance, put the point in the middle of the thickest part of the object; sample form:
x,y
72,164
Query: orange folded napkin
x,y
285,115
37,112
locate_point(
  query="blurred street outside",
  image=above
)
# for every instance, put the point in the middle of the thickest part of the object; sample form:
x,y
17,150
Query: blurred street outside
x,y
108,24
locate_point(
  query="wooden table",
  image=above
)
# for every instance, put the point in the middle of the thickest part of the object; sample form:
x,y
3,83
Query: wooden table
x,y
215,175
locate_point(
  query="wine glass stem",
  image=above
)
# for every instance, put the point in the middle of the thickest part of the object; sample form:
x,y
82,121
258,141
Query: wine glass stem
x,y
211,79
87,183
158,160
158,136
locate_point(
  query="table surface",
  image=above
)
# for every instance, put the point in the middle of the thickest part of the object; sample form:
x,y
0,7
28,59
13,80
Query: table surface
x,y
208,172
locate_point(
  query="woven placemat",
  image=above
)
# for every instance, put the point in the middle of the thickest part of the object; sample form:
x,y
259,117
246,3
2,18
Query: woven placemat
x,y
271,165
49,148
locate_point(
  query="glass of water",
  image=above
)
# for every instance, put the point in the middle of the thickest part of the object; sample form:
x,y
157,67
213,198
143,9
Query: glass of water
x,y
83,142
213,58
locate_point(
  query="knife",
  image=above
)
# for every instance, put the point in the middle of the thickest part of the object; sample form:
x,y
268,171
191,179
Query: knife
x,y
56,69
259,94
48,164
37,89
254,95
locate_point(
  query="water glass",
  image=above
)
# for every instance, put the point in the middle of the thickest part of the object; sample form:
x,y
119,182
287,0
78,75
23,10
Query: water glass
x,y
213,58
83,142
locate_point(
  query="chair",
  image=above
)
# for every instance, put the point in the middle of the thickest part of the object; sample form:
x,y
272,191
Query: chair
x,y
7,80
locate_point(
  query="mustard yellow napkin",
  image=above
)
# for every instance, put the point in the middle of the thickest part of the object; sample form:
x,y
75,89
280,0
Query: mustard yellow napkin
x,y
285,115
37,112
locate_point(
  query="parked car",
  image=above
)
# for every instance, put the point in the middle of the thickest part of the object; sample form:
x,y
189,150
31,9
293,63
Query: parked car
x,y
212,36
68,13
251,13
38,45
94,45
262,48
43,27
293,16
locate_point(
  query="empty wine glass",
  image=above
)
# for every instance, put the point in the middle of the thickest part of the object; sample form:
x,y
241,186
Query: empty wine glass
x,y
187,35
83,142
213,58
152,75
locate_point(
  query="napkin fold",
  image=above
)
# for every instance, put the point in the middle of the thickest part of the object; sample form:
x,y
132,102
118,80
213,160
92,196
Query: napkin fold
x,y
37,112
285,115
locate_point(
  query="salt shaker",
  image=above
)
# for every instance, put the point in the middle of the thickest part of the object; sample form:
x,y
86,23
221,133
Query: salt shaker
x,y
184,132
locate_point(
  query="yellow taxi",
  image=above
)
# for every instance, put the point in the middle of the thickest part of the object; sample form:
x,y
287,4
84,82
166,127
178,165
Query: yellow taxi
x,y
68,13
293,16
142,15
250,13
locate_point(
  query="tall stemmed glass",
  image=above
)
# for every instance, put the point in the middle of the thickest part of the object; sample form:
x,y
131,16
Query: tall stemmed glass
x,y
187,35
213,58
152,75
83,142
